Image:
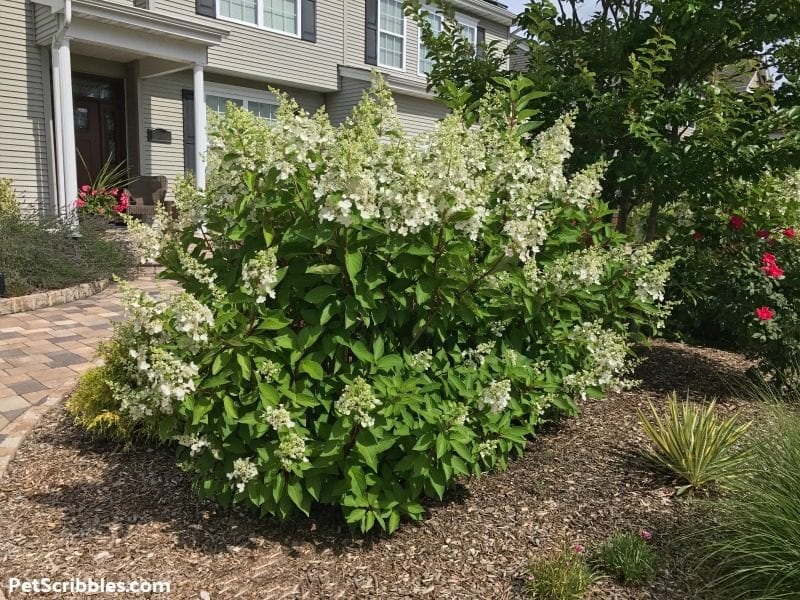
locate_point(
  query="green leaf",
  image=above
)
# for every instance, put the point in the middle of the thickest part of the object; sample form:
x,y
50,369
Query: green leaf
x,y
318,294
313,368
390,361
323,270
441,445
353,261
244,365
295,490
230,409
360,350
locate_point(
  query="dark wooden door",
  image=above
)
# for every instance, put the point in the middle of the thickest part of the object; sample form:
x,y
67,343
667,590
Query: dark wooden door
x,y
99,125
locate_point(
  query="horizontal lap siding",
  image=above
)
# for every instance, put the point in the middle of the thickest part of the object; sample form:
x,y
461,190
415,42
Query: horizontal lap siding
x,y
162,107
273,56
341,103
418,115
46,23
23,145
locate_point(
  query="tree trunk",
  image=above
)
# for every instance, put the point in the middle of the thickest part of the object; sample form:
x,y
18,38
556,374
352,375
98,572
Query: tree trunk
x,y
651,230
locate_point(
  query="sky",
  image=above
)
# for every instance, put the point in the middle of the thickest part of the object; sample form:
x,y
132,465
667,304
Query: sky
x,y
516,6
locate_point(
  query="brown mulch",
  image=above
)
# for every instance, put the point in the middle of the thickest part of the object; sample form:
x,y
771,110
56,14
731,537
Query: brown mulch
x,y
72,507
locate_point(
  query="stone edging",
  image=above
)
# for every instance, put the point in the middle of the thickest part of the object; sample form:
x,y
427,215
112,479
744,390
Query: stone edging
x,y
14,433
9,306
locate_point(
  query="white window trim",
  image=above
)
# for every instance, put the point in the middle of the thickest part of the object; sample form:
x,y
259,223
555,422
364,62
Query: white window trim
x,y
259,24
460,18
234,92
378,45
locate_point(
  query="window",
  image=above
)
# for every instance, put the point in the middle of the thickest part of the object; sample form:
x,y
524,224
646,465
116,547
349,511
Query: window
x,y
276,15
391,34
469,29
245,98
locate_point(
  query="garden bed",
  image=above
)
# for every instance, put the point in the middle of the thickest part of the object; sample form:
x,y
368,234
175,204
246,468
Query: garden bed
x,y
75,508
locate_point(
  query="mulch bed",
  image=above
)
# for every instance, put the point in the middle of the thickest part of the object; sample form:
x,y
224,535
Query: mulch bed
x,y
72,507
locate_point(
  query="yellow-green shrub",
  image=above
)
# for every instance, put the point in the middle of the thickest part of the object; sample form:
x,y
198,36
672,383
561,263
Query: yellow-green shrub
x,y
9,207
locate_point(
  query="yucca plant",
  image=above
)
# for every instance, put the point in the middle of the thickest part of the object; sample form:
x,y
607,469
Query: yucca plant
x,y
694,443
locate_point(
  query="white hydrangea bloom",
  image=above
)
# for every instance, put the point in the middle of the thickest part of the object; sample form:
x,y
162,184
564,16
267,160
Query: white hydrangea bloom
x,y
487,448
191,317
607,361
421,361
194,443
270,370
475,357
358,400
260,275
278,417
585,186
496,396
243,472
291,450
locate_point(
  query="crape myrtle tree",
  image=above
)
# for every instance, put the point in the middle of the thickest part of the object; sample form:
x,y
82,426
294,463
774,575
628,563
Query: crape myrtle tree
x,y
658,88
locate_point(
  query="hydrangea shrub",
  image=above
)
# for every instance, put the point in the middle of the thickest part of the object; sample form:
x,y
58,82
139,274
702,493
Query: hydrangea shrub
x,y
738,272
368,316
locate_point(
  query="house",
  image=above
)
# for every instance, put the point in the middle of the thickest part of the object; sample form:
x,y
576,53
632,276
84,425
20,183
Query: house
x,y
132,80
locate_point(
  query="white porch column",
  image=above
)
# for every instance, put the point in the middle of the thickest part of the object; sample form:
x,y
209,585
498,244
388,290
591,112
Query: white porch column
x,y
66,164
200,137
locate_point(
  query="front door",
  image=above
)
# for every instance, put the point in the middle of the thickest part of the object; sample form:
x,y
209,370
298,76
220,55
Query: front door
x,y
99,124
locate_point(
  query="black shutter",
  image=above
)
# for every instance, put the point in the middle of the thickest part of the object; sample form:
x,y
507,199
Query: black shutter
x,y
371,31
206,8
308,20
480,40
188,130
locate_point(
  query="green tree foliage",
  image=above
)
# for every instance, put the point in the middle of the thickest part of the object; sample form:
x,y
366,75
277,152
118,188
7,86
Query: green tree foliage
x,y
659,88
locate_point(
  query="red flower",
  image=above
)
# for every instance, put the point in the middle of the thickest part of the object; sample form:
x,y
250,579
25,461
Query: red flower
x,y
763,233
580,548
698,235
768,259
646,534
85,188
765,313
772,271
788,232
80,203
736,222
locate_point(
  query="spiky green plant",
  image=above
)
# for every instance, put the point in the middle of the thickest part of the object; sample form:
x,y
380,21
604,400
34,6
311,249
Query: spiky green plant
x,y
627,557
752,548
694,443
561,576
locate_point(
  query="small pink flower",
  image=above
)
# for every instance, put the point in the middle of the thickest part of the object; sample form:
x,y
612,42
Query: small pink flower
x,y
646,534
85,188
80,203
788,232
580,548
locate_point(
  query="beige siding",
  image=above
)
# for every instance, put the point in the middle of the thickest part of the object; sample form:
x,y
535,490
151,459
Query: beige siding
x,y
23,146
340,104
276,57
162,107
46,23
418,115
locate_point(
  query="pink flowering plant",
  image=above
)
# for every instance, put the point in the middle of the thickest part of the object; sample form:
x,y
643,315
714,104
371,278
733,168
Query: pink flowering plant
x,y
105,195
738,273
383,313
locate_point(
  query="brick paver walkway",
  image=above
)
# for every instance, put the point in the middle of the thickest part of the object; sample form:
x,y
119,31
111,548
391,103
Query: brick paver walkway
x,y
43,352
